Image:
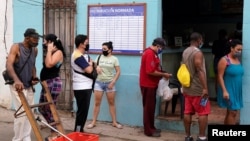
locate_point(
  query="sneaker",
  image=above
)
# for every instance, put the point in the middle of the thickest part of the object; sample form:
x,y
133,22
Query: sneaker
x,y
189,138
198,139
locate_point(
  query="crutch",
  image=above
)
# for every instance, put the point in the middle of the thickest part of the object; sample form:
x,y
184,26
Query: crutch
x,y
38,119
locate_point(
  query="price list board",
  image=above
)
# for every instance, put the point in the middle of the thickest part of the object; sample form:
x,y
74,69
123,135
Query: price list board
x,y
123,25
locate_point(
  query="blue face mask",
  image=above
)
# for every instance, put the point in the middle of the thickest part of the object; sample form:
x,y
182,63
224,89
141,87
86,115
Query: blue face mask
x,y
159,51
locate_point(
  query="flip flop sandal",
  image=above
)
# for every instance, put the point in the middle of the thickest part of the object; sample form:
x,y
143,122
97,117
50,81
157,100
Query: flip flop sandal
x,y
90,126
119,126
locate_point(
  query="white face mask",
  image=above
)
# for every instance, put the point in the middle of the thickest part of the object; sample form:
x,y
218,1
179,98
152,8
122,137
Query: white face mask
x,y
237,54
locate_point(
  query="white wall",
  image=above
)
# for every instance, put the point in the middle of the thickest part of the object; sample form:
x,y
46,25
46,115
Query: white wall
x,y
6,40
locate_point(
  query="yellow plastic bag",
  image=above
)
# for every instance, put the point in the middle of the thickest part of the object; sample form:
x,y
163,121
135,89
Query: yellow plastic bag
x,y
183,75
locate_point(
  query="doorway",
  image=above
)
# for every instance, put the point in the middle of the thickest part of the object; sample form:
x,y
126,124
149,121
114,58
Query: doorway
x,y
59,19
206,17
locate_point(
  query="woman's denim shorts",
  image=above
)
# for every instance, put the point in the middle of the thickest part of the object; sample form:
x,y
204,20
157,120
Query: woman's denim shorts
x,y
103,86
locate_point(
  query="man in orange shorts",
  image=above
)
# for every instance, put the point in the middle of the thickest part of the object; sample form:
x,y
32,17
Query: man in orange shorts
x,y
196,96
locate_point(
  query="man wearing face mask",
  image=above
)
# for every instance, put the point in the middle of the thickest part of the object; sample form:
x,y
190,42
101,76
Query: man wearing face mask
x,y
230,73
21,67
150,75
82,85
198,91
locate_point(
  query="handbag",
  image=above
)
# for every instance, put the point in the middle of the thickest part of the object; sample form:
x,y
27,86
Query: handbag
x,y
183,74
93,75
7,78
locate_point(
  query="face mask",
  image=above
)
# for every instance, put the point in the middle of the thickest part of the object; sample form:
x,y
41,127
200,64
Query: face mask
x,y
159,51
200,46
33,44
237,54
87,47
44,46
105,53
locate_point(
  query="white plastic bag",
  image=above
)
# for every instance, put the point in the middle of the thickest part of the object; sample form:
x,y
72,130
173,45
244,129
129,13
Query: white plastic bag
x,y
163,90
160,88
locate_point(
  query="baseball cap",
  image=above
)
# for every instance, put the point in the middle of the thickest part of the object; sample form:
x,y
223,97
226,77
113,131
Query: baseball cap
x,y
160,41
31,32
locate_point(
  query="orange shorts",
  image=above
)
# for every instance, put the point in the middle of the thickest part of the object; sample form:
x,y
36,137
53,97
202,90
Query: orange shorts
x,y
192,105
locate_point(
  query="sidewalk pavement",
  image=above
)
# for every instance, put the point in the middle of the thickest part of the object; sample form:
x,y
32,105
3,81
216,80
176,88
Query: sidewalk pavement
x,y
105,130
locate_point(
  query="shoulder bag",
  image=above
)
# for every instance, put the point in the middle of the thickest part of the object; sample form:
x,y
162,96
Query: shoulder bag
x,y
7,78
93,74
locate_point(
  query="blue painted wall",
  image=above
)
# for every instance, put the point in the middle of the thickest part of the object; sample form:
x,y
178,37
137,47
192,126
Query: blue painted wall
x,y
128,100
128,97
244,114
28,14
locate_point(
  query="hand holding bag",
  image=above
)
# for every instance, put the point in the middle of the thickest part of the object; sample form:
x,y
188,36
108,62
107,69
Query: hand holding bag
x,y
163,90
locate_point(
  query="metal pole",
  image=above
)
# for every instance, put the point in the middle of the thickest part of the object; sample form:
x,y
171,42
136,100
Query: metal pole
x,y
38,119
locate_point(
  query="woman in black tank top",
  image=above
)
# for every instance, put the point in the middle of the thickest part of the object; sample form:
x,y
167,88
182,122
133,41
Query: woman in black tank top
x,y
50,73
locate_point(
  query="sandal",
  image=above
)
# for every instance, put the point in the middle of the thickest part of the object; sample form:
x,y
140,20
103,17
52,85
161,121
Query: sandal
x,y
117,125
90,126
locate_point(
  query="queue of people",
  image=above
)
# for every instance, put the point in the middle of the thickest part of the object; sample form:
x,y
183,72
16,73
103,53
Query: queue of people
x,y
21,67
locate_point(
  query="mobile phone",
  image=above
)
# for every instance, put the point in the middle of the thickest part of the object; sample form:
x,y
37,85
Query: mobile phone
x,y
203,101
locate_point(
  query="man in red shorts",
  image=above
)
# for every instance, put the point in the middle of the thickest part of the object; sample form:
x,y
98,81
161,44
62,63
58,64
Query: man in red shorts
x,y
196,96
150,75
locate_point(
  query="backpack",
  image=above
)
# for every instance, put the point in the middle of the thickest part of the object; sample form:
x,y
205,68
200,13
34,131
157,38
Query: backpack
x,y
183,75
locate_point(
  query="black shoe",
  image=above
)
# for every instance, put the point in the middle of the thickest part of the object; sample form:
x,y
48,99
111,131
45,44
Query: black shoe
x,y
198,139
189,138
158,130
155,134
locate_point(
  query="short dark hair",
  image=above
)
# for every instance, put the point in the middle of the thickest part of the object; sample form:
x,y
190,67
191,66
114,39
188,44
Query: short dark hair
x,y
80,39
159,41
195,36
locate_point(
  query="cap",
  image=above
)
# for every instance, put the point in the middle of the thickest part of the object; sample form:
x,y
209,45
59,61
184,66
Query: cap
x,y
160,41
31,32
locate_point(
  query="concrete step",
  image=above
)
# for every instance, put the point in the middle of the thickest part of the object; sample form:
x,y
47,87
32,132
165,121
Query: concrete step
x,y
173,122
